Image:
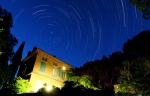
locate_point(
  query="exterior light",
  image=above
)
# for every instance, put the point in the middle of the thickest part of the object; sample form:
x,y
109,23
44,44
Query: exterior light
x,y
1,53
48,88
39,85
117,88
63,68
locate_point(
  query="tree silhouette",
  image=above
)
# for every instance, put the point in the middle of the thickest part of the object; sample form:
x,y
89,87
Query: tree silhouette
x,y
7,42
138,47
135,67
143,6
16,61
131,66
101,72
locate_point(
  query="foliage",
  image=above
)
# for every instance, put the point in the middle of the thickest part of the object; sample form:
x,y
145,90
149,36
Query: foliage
x,y
143,6
132,79
135,72
138,46
83,81
126,86
20,86
16,61
7,40
104,72
7,43
129,68
71,88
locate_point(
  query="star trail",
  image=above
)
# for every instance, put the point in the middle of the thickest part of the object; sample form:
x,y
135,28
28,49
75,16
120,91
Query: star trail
x,y
76,31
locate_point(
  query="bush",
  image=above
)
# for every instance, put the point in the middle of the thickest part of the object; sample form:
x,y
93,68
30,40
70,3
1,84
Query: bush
x,y
18,86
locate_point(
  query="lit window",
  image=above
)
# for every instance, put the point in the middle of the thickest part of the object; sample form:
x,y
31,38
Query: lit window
x,y
61,74
55,72
58,72
42,67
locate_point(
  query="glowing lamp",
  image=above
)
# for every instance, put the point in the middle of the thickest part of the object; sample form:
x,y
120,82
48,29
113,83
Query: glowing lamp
x,y
117,88
49,88
39,85
63,68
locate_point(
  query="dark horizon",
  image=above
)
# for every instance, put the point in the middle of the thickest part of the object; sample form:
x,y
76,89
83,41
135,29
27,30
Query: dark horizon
x,y
75,31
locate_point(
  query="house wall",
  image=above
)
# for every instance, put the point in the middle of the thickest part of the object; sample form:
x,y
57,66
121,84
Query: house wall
x,y
51,76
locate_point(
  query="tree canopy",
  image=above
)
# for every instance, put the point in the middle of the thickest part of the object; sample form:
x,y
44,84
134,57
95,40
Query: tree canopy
x,y
129,68
143,6
139,46
7,43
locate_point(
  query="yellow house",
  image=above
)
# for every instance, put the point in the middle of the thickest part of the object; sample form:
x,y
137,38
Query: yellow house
x,y
43,70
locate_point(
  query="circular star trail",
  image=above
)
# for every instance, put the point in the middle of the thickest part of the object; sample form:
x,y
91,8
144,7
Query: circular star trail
x,y
76,31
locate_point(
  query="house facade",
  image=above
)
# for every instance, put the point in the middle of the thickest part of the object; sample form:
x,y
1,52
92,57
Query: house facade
x,y
43,70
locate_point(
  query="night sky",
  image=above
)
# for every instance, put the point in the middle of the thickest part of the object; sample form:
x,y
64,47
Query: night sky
x,y
75,31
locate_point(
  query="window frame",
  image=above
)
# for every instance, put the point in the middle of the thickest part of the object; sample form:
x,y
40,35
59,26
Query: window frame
x,y
42,67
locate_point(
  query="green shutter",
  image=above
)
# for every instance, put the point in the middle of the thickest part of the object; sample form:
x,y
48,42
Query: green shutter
x,y
42,67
